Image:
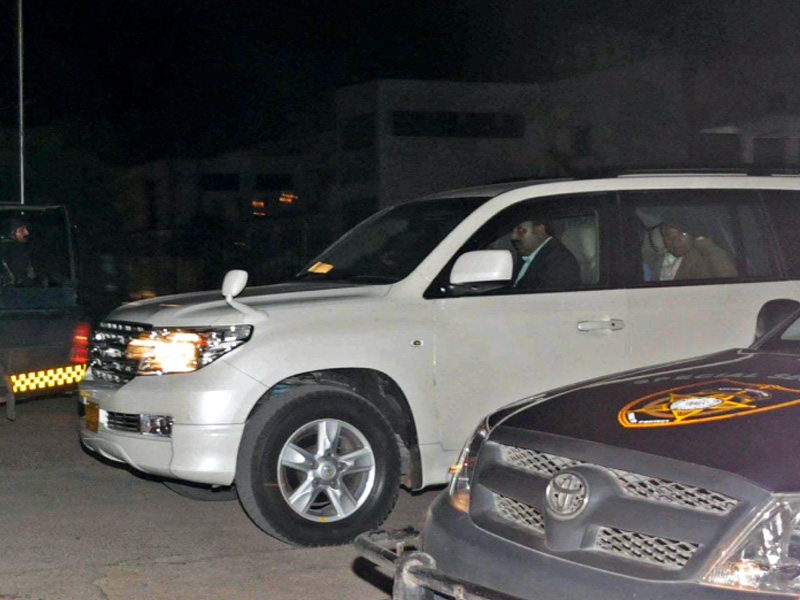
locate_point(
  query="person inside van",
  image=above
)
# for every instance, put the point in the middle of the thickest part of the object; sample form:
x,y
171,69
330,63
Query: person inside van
x,y
690,256
542,260
16,267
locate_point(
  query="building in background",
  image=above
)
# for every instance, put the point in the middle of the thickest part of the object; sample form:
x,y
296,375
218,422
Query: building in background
x,y
270,209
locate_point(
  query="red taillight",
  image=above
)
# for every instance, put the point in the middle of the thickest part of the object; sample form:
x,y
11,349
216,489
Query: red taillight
x,y
80,344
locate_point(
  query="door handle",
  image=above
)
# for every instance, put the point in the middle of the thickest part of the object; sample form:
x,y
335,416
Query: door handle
x,y
612,324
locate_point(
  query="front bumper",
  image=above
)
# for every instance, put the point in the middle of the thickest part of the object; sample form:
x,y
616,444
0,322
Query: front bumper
x,y
208,409
464,551
415,574
199,453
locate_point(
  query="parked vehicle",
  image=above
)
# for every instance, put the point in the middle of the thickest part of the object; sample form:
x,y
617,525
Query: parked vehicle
x,y
43,342
675,481
318,396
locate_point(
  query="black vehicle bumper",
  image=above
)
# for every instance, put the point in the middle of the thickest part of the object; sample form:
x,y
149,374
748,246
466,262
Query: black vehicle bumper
x,y
461,560
415,574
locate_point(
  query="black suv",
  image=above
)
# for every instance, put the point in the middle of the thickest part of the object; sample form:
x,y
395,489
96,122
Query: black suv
x,y
676,481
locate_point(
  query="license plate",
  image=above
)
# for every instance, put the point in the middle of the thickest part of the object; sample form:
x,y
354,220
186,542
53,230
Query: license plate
x,y
92,416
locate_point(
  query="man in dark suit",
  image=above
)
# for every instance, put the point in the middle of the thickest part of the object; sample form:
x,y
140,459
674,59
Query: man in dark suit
x,y
542,262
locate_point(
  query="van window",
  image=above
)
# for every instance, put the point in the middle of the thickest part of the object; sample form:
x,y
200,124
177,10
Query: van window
x,y
568,229
784,210
696,236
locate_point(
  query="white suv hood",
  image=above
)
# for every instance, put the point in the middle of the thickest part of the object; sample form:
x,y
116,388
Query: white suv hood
x,y
210,308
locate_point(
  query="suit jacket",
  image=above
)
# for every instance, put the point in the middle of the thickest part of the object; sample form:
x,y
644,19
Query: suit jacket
x,y
553,267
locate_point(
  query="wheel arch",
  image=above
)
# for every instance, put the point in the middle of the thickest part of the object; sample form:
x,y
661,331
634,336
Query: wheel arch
x,y
383,392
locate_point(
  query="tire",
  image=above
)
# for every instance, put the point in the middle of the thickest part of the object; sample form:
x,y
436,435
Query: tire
x,y
317,466
205,493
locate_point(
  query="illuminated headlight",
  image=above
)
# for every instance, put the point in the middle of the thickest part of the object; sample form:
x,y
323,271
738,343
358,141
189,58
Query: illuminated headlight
x,y
766,557
163,351
462,472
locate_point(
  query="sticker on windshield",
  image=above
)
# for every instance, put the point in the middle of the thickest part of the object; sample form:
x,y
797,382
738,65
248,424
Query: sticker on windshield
x,y
707,401
320,267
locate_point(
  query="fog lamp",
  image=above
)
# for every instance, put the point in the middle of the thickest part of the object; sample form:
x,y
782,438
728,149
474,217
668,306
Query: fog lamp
x,y
156,425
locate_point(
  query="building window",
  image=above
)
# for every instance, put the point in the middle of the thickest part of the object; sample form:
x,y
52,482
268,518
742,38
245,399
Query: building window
x,y
358,132
458,124
277,182
219,182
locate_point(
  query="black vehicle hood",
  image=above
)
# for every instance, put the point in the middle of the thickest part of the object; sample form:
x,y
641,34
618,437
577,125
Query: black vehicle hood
x,y
737,411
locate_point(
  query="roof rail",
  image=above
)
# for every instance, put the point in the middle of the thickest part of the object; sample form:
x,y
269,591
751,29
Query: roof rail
x,y
753,170
612,172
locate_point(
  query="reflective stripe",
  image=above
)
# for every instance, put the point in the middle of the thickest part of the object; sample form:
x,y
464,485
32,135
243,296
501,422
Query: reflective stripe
x,y
48,378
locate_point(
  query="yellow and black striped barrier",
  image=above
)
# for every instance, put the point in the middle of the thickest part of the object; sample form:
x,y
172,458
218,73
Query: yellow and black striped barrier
x,y
47,378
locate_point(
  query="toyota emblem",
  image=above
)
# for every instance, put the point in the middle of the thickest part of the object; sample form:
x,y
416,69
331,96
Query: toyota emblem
x,y
567,494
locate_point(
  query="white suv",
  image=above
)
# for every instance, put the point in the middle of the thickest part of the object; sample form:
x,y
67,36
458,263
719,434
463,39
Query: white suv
x,y
312,400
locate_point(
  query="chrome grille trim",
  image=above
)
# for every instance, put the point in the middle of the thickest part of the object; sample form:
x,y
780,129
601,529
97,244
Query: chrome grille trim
x,y
123,421
519,513
107,352
658,551
633,484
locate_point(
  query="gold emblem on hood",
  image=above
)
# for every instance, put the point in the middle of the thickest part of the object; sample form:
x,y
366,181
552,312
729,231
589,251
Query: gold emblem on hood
x,y
706,401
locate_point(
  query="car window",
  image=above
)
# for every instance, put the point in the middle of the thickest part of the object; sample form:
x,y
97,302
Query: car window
x,y
697,236
388,246
785,341
556,244
783,207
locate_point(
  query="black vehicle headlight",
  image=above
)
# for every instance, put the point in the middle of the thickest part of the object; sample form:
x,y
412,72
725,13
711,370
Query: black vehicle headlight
x,y
183,350
462,472
766,556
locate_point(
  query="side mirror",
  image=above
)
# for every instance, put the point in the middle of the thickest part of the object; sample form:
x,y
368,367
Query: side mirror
x,y
773,313
234,282
481,270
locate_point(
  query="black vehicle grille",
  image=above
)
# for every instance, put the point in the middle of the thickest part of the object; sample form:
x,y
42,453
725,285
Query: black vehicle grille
x,y
654,550
123,421
645,515
109,342
519,513
641,486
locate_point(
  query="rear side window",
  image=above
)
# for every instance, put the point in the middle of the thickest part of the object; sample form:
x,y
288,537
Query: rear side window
x,y
696,236
784,210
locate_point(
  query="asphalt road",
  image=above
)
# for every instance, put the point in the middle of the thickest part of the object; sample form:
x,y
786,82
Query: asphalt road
x,y
75,527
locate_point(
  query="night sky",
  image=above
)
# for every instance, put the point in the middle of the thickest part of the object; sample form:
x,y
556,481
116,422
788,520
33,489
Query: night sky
x,y
177,77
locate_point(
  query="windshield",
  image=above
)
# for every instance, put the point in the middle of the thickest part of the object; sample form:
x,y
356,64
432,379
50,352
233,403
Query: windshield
x,y
388,246
36,264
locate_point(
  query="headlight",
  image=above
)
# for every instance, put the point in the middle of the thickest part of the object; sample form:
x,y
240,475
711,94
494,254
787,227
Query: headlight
x,y
164,351
462,472
766,557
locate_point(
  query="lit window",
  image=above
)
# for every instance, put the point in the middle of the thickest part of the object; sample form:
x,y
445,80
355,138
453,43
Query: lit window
x,y
259,207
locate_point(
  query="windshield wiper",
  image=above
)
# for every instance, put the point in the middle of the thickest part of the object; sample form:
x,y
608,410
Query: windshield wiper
x,y
360,279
